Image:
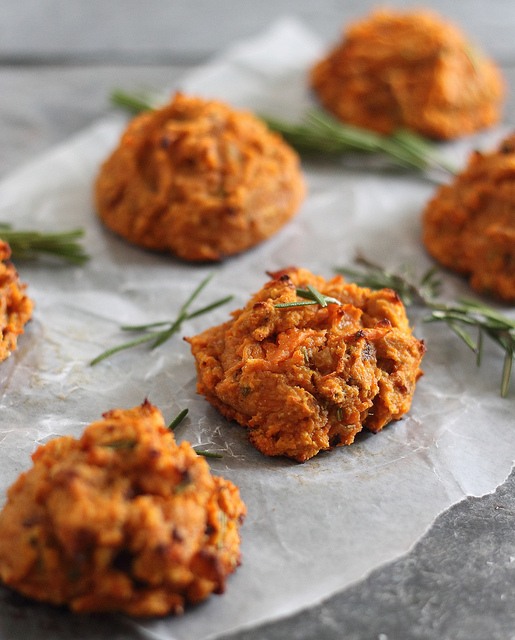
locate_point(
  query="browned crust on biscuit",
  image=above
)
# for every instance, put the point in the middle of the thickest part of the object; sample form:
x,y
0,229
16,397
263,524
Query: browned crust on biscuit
x,y
15,306
123,519
411,70
305,379
469,225
200,180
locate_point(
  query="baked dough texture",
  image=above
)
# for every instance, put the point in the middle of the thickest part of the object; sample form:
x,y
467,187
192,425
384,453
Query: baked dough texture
x,y
122,519
469,224
200,180
409,70
15,306
306,379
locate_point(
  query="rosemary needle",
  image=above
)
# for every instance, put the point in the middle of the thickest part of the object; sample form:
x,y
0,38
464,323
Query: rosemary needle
x,y
207,454
319,132
135,102
310,296
459,316
32,244
178,419
159,332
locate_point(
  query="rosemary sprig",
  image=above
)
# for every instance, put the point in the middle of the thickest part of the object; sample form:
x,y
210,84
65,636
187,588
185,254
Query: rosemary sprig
x,y
32,244
159,332
310,296
459,316
320,132
135,102
201,452
410,291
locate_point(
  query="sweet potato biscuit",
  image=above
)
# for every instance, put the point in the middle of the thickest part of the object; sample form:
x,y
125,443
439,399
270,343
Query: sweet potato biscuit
x,y
305,379
409,70
123,519
469,225
200,180
15,305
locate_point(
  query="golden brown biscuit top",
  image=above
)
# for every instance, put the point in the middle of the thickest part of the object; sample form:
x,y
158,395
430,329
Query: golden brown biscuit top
x,y
199,179
122,519
409,69
306,378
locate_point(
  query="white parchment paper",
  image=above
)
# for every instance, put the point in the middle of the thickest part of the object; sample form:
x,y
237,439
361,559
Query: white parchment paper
x,y
311,529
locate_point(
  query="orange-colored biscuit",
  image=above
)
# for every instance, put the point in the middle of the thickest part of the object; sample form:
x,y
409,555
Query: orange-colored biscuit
x,y
15,306
308,378
123,519
469,225
200,180
410,70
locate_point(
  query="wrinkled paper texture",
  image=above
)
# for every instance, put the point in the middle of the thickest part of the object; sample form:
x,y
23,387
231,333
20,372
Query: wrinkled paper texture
x,y
312,529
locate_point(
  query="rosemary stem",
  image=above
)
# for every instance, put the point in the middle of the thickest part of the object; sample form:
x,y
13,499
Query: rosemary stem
x,y
121,347
159,332
458,316
27,245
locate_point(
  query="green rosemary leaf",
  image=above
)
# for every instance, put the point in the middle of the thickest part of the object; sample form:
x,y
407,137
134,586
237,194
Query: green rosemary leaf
x,y
421,150
479,347
159,332
296,303
311,296
29,245
144,327
323,133
461,333
458,316
178,419
495,318
121,347
134,102
163,336
207,454
506,372
317,296
210,307
195,294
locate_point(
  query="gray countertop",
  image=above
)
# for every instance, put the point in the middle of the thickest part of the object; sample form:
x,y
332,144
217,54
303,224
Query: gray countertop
x,y
58,62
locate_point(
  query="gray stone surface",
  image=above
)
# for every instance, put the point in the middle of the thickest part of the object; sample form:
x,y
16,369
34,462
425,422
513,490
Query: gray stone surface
x,y
58,62
190,30
458,583
43,105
